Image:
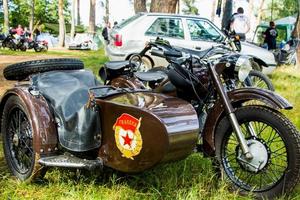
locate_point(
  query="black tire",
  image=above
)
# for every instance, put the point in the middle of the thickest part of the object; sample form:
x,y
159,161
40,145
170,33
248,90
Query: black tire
x,y
260,80
20,71
283,129
18,141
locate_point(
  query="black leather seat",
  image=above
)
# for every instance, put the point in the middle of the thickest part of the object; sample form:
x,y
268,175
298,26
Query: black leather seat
x,y
151,76
115,65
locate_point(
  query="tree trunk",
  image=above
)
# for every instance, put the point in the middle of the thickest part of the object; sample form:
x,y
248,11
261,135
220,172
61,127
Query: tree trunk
x,y
73,18
6,19
140,6
296,34
166,6
92,26
31,21
260,10
61,41
78,13
213,12
106,17
227,13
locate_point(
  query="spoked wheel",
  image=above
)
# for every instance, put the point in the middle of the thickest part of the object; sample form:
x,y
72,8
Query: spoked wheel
x,y
259,80
18,141
274,143
145,63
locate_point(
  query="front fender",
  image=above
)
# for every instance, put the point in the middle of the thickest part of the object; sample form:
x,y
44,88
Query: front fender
x,y
237,97
42,121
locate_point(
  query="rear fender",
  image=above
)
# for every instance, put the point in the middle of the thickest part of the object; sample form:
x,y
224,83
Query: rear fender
x,y
238,97
43,124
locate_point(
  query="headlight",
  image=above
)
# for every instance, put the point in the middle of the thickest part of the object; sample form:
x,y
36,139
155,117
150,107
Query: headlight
x,y
243,67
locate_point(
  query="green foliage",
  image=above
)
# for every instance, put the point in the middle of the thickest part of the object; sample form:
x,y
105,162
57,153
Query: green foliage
x,y
281,8
46,11
191,8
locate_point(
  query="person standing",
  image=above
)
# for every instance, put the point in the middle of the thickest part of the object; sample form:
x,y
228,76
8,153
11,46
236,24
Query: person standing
x,y
270,36
240,24
105,32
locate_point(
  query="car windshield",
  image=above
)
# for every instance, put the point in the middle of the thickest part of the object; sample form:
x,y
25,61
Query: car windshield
x,y
203,30
129,20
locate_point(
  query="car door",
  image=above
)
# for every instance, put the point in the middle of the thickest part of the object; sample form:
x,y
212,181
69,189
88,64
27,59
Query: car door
x,y
202,34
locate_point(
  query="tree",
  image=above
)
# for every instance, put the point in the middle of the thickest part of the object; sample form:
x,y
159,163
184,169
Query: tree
x,y
73,19
260,10
140,6
61,41
166,6
31,20
92,26
78,13
213,12
6,15
296,34
106,5
227,13
191,8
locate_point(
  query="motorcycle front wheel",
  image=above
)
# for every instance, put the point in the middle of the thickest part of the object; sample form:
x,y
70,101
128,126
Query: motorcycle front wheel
x,y
275,145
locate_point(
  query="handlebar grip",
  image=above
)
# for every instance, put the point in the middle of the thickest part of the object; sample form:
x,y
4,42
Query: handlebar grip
x,y
156,52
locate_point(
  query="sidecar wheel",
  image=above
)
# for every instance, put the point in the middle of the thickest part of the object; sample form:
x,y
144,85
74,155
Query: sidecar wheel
x,y
276,151
18,141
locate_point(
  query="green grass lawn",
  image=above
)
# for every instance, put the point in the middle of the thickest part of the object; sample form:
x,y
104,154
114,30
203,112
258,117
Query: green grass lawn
x,y
192,178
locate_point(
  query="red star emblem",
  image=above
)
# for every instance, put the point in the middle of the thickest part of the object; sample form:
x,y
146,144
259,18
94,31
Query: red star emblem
x,y
127,140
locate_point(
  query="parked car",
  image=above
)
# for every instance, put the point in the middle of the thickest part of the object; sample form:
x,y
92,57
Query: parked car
x,y
130,36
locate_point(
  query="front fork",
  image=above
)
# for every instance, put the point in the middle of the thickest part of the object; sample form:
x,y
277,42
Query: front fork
x,y
230,112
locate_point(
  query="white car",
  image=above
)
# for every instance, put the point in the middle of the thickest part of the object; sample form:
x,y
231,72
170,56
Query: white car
x,y
188,31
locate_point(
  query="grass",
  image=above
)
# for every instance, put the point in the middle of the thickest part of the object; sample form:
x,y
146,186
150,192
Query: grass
x,y
192,178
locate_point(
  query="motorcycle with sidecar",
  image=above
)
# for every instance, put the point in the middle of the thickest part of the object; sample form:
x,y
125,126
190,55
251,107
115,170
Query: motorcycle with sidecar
x,y
59,115
241,127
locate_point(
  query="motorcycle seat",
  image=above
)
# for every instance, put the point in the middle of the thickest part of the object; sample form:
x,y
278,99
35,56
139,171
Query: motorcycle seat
x,y
115,65
151,76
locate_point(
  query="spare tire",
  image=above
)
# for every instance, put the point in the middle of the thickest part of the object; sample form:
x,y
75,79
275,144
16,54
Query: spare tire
x,y
20,71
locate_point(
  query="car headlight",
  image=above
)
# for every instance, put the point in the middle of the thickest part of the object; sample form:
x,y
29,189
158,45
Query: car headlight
x,y
243,67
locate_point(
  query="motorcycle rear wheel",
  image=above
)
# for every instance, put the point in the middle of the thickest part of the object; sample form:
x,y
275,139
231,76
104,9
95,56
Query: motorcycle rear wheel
x,y
280,152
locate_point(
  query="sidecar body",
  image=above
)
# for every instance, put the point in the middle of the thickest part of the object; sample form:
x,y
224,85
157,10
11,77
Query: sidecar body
x,y
127,130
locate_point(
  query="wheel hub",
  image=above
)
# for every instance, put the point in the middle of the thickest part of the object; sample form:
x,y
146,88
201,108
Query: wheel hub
x,y
260,156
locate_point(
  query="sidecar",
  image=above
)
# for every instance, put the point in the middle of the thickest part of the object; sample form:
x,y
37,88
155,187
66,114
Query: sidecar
x,y
66,118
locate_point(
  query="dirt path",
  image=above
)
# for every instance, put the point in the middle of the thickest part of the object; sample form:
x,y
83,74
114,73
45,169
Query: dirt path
x,y
8,59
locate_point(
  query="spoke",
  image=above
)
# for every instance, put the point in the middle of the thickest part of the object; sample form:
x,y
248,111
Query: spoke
x,y
274,152
262,129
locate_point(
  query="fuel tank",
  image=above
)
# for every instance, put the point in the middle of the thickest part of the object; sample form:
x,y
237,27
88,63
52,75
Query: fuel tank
x,y
142,129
